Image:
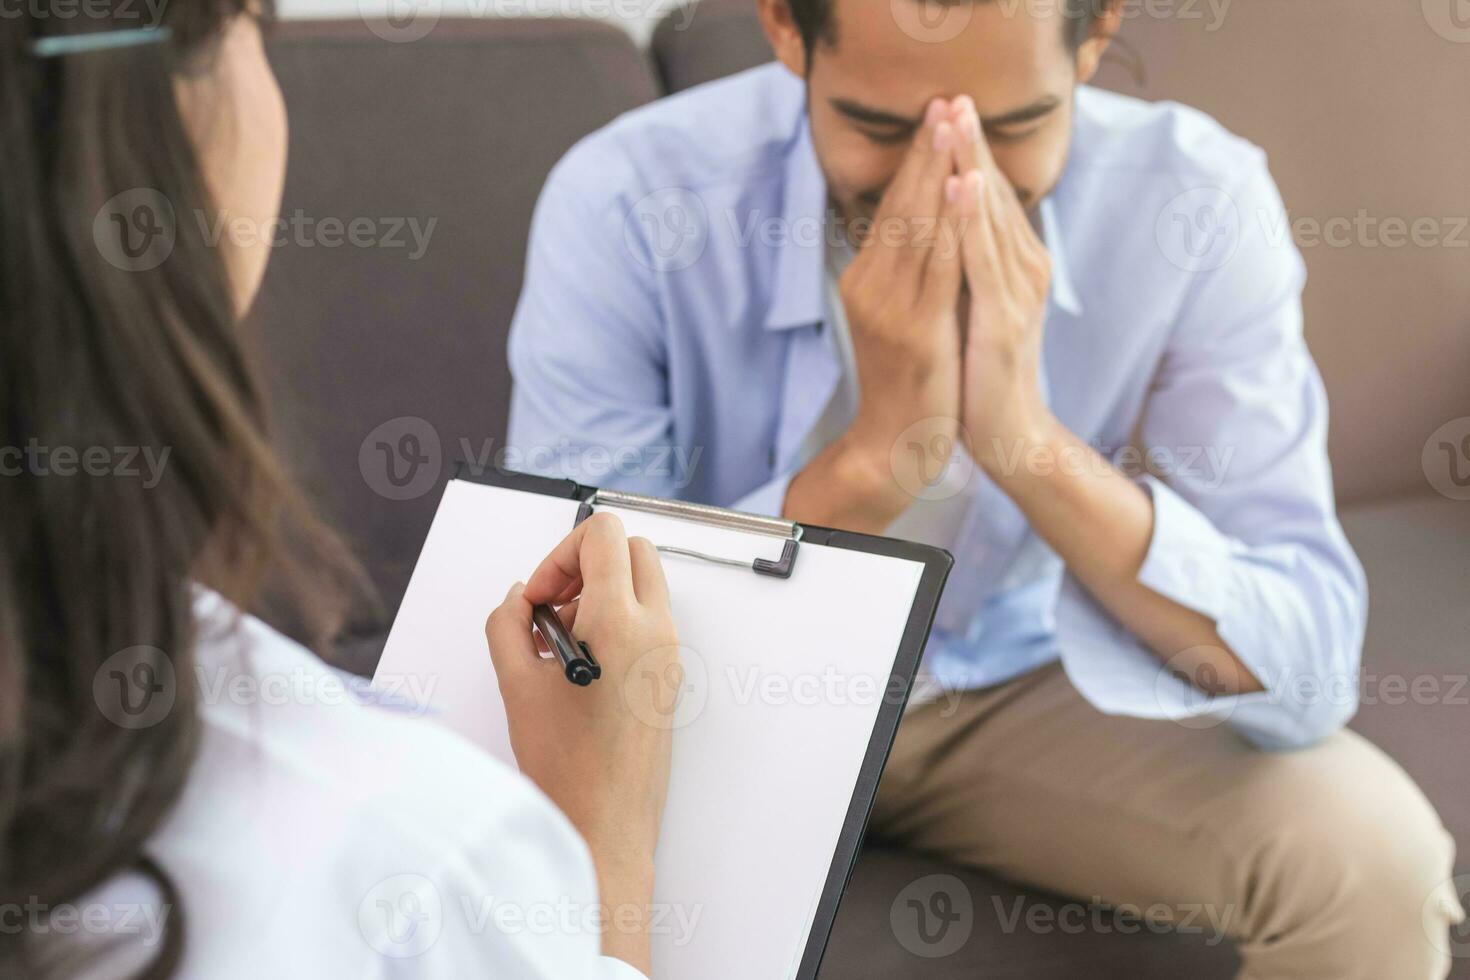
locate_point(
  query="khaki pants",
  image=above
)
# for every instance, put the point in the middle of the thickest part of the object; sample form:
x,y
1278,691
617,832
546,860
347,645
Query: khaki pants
x,y
1327,862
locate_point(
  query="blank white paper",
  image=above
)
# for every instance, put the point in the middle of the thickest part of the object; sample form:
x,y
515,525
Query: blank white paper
x,y
783,683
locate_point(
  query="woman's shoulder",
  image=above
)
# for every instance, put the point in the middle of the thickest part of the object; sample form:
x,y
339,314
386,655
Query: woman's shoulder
x,y
282,719
318,811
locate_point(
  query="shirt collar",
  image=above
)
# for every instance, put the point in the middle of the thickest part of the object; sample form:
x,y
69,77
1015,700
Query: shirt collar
x,y
798,299
1063,288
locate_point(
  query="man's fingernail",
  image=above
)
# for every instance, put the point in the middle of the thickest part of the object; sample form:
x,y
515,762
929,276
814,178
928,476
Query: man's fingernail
x,y
516,590
972,126
951,189
943,134
936,109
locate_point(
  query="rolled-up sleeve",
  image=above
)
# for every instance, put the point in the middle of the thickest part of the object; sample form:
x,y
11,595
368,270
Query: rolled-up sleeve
x,y
1245,527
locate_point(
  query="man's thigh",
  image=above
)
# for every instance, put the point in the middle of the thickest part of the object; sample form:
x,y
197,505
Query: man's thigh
x,y
1032,782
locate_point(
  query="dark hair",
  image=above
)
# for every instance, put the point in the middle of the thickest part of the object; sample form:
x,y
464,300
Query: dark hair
x,y
814,19
95,353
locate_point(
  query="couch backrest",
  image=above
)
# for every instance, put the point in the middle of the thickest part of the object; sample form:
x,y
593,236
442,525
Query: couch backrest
x,y
1361,106
384,359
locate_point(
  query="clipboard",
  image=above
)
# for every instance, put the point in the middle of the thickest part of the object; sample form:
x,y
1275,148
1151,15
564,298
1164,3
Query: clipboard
x,y
716,560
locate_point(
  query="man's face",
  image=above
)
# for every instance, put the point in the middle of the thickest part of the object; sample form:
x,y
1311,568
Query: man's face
x,y
868,91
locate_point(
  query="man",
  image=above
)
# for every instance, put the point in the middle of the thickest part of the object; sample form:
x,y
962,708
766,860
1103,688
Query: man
x,y
919,279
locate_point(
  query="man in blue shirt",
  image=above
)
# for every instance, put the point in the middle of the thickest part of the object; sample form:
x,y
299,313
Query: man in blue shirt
x,y
918,278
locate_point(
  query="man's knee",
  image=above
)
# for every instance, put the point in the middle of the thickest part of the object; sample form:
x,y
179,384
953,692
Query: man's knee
x,y
1343,859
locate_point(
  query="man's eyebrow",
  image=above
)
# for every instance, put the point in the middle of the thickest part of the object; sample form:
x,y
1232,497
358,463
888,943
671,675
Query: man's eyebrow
x,y
1025,114
858,112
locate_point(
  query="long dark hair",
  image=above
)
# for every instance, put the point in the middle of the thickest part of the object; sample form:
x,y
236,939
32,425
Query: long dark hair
x,y
118,358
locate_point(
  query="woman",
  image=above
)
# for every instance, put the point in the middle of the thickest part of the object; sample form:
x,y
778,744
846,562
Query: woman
x,y
161,815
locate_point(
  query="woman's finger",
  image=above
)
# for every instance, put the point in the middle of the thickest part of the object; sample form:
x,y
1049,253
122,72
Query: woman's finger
x,y
649,583
568,615
595,553
508,632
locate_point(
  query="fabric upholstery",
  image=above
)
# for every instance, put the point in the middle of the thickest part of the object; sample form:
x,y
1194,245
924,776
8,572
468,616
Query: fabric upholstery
x,y
461,128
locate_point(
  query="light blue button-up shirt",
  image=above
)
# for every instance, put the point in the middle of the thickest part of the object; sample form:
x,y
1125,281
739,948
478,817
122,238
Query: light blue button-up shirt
x,y
669,340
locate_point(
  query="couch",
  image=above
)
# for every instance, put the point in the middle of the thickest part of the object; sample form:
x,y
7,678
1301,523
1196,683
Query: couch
x,y
370,347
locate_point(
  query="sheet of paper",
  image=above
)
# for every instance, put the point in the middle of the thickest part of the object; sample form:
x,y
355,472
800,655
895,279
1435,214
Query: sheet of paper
x,y
783,682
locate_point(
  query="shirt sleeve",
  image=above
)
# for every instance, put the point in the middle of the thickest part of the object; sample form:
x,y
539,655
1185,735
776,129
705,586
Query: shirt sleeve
x,y
768,499
587,350
1245,526
517,898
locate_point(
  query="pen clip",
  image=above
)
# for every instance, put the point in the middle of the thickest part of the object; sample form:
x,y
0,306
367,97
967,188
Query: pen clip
x,y
576,659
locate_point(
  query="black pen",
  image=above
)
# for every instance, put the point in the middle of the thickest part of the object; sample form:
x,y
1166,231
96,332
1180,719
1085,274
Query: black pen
x,y
580,666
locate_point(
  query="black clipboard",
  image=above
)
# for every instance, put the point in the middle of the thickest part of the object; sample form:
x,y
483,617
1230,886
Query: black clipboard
x,y
937,563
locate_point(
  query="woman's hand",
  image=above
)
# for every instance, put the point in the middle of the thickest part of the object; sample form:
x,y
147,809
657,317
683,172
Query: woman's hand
x,y
599,751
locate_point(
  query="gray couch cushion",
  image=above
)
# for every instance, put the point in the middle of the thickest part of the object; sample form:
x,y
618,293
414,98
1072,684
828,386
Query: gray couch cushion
x,y
1417,554
459,128
709,39
1012,932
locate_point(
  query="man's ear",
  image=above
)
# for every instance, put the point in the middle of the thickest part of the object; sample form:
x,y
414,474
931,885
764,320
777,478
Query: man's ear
x,y
1099,35
781,31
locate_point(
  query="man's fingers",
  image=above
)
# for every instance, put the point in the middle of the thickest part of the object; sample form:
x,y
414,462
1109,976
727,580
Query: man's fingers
x,y
997,206
648,573
595,552
945,272
980,248
916,189
971,151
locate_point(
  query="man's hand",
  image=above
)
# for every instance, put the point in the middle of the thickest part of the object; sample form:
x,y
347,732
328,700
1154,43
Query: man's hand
x,y
1096,519
1008,273
901,296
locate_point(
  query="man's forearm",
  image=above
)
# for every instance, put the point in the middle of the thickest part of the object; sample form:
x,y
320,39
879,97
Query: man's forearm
x,y
1101,523
847,485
